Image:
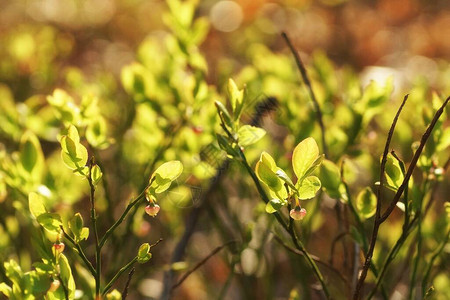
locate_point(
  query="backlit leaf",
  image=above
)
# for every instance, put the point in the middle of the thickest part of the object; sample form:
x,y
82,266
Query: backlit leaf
x,y
304,156
308,188
366,203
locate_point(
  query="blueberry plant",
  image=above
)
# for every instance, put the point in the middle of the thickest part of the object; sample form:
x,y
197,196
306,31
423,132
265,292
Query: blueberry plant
x,y
312,188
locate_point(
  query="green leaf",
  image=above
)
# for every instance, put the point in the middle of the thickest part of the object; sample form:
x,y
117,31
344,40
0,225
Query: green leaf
x,y
96,174
331,178
50,221
165,174
31,156
36,204
5,289
114,295
96,133
308,188
221,109
281,174
266,175
224,144
84,234
73,153
394,173
39,282
274,205
66,275
366,203
249,135
236,98
76,226
305,155
144,254
268,160
72,132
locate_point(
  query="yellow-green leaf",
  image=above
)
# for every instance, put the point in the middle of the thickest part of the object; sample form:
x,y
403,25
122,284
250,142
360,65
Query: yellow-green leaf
x,y
308,188
394,173
304,156
165,174
36,204
274,205
249,135
366,203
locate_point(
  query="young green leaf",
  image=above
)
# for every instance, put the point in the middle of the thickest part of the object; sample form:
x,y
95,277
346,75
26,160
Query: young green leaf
x,y
96,174
225,115
274,205
31,155
281,174
50,221
305,155
36,204
96,133
114,295
266,175
366,203
165,174
66,275
73,153
236,98
249,135
331,178
76,226
224,144
144,254
6,290
308,188
394,173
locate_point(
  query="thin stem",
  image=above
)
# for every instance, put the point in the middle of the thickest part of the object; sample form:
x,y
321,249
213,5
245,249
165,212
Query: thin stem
x,y
66,292
392,253
315,258
380,219
298,244
80,252
360,228
121,271
200,263
110,231
98,259
418,252
413,163
305,78
377,222
125,290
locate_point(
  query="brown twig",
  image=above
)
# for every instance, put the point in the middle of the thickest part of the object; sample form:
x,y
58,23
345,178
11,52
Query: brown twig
x,y
413,163
305,78
379,219
200,263
377,223
125,290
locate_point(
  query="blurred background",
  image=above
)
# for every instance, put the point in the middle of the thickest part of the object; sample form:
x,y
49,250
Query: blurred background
x,y
96,46
40,38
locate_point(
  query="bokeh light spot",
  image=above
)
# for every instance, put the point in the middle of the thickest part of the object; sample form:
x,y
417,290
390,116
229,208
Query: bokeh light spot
x,y
226,16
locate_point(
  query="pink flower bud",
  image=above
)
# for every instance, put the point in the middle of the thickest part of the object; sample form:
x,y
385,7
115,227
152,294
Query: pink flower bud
x,y
297,213
58,247
197,129
54,285
152,209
